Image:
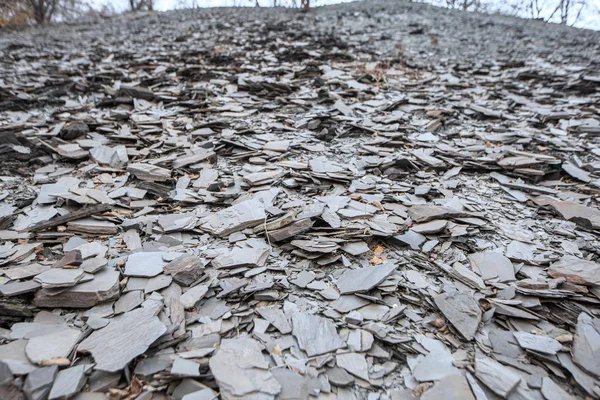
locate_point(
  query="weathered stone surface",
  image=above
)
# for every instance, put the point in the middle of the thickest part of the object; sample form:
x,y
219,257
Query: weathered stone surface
x,y
451,387
52,345
124,338
461,310
492,265
364,279
241,370
145,264
541,344
235,218
104,287
276,317
148,172
354,363
585,216
13,355
576,270
186,269
39,382
495,376
586,344
315,335
68,382
241,258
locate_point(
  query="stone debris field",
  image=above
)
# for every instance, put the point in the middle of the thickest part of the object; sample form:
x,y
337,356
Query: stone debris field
x,y
369,201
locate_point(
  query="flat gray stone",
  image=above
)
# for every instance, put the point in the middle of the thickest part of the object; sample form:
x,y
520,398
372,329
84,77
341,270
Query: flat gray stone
x,y
204,394
584,216
576,270
185,269
59,277
240,216
339,377
145,264
315,335
551,391
184,367
104,287
240,369
586,344
39,382
364,279
68,382
451,387
115,157
149,172
425,212
252,257
461,310
25,272
18,288
13,355
354,363
193,295
52,345
539,343
129,301
276,317
495,376
124,338
492,265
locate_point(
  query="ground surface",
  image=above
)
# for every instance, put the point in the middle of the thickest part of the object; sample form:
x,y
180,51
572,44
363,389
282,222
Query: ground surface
x,y
379,200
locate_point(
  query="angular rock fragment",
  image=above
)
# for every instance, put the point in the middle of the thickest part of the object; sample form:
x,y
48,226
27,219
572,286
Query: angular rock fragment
x,y
495,376
461,310
53,345
492,265
104,287
68,382
148,172
235,218
276,317
364,279
354,363
584,216
39,382
241,370
451,387
541,344
424,212
124,338
241,258
186,269
576,270
586,344
315,335
145,264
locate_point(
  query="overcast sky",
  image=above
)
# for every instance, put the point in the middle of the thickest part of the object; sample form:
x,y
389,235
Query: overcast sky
x,y
590,17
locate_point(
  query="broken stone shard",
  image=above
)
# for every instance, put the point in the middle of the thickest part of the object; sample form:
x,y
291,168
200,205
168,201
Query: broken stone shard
x,y
492,265
495,376
241,258
241,370
576,270
364,279
104,287
315,335
186,269
586,344
461,310
124,338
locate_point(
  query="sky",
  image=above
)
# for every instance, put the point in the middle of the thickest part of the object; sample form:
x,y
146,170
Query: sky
x,y
589,18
